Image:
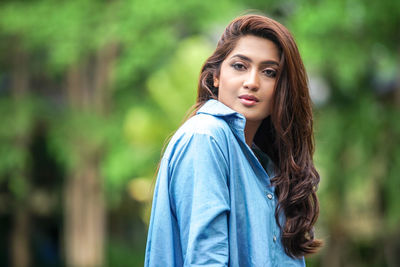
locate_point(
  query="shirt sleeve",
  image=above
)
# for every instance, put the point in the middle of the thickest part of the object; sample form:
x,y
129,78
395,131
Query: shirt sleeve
x,y
200,197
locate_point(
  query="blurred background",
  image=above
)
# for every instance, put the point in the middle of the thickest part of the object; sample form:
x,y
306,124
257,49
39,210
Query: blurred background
x,y
90,90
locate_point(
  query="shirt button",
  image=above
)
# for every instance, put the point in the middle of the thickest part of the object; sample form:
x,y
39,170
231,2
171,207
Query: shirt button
x,y
269,196
274,238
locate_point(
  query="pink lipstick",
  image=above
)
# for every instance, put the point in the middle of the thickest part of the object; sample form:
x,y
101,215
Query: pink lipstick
x,y
248,100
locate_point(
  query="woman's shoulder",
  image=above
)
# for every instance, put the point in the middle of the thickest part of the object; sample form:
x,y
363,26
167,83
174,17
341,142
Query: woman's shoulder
x,y
205,124
199,126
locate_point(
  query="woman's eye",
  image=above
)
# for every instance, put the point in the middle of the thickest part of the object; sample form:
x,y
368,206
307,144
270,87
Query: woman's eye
x,y
270,73
238,66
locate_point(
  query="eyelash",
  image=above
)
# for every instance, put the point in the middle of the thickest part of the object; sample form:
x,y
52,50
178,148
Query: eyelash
x,y
272,73
267,72
238,66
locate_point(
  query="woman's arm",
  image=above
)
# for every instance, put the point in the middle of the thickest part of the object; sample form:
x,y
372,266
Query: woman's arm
x,y
200,200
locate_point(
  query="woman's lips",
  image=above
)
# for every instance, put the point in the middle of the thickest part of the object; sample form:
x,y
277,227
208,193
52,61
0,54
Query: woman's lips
x,y
248,100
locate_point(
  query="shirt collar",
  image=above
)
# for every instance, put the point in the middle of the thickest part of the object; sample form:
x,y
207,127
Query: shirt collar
x,y
235,120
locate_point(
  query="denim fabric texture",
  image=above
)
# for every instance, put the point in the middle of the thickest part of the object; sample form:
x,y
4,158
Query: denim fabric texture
x,y
213,202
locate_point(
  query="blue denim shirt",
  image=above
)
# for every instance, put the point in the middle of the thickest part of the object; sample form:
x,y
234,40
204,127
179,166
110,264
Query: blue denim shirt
x,y
213,202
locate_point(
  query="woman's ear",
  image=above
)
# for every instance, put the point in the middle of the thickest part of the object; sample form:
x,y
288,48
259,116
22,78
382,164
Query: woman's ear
x,y
216,82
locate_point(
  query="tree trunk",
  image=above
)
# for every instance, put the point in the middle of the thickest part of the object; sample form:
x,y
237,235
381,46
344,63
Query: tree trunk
x,y
87,90
336,246
20,252
19,236
84,217
102,77
20,73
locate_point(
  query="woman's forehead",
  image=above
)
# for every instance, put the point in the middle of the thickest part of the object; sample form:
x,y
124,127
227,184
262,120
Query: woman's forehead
x,y
256,49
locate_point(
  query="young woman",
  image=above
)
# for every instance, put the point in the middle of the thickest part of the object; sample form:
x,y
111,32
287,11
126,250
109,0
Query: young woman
x,y
237,183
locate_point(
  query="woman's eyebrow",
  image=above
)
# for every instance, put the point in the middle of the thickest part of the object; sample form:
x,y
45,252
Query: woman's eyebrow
x,y
266,62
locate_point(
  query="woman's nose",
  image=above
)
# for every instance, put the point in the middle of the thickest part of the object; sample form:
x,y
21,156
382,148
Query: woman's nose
x,y
251,81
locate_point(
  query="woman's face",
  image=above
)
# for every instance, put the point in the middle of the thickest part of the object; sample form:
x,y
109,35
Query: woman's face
x,y
247,77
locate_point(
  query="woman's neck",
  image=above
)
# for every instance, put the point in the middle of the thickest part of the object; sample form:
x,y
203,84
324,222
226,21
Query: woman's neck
x,y
250,131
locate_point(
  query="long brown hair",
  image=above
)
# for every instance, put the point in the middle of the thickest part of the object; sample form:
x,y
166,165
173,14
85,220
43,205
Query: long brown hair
x,y
286,136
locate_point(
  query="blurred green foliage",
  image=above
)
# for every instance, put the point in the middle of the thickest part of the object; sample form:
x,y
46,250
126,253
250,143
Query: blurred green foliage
x,y
132,98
